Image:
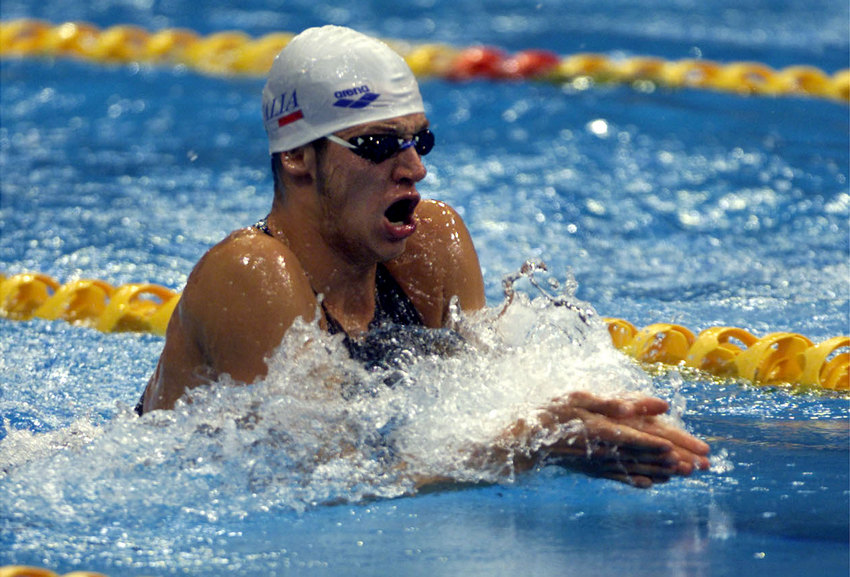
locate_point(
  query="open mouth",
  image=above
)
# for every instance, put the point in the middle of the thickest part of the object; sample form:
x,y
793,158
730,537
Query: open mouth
x,y
401,211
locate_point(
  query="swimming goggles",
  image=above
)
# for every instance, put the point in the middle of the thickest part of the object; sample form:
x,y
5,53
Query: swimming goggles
x,y
380,147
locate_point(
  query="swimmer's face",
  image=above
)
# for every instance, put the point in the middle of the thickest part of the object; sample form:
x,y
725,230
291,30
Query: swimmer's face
x,y
368,208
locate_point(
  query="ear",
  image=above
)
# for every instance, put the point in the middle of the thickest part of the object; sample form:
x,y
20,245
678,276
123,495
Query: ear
x,y
299,162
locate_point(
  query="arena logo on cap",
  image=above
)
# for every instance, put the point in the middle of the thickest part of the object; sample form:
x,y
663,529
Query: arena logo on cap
x,y
285,108
365,97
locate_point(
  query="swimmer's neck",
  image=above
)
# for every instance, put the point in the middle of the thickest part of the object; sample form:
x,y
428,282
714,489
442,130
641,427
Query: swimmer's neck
x,y
346,285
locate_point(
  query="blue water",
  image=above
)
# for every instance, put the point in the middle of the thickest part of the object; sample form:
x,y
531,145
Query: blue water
x,y
686,206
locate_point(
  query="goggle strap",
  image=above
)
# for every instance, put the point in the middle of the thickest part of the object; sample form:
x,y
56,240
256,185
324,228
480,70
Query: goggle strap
x,y
340,141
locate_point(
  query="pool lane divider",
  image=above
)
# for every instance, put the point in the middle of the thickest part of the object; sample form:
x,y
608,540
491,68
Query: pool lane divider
x,y
32,571
235,53
723,352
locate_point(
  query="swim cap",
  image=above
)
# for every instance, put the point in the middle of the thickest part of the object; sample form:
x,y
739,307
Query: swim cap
x,y
330,78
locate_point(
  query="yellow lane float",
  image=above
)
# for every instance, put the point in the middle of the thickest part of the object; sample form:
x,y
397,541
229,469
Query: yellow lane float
x,y
232,53
724,352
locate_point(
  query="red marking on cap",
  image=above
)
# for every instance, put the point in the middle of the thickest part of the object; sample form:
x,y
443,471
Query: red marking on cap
x,y
290,118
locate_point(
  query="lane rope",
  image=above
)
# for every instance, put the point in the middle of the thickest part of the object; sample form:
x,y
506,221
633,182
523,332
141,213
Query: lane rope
x,y
31,571
723,352
235,53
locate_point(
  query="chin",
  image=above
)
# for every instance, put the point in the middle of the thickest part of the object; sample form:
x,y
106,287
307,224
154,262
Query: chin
x,y
393,249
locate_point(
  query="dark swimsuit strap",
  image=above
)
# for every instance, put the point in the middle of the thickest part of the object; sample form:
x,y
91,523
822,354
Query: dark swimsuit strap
x,y
392,305
263,225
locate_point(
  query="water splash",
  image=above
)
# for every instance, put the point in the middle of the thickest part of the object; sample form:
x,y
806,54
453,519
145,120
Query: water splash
x,y
322,428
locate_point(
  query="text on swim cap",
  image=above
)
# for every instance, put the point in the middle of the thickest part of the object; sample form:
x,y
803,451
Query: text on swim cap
x,y
284,106
345,100
351,91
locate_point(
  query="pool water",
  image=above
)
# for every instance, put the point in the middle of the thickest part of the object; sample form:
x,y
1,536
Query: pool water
x,y
653,205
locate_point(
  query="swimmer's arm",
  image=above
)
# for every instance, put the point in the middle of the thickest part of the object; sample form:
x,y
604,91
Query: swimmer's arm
x,y
463,277
239,301
255,289
181,366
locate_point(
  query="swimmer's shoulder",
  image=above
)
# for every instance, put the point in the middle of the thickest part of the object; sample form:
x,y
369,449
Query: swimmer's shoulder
x,y
249,277
248,255
438,226
439,262
437,213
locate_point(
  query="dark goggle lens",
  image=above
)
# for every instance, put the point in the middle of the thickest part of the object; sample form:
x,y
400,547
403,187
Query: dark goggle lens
x,y
379,147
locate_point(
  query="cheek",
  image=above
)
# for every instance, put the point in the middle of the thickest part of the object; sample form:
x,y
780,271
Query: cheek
x,y
348,186
324,179
357,189
339,196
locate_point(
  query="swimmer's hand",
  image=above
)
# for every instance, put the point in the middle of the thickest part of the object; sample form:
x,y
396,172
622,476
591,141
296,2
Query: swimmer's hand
x,y
620,439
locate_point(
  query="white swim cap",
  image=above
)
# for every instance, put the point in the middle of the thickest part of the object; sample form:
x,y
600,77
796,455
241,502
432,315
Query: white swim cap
x,y
330,78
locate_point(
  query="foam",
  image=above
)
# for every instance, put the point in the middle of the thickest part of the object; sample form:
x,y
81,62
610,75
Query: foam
x,y
292,441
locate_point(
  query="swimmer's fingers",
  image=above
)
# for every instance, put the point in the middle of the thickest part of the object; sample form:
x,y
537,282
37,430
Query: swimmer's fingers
x,y
690,451
614,458
604,451
647,436
619,408
637,412
646,433
599,430
618,468
646,442
679,437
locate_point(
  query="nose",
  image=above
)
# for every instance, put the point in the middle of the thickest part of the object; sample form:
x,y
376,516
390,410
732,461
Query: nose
x,y
409,166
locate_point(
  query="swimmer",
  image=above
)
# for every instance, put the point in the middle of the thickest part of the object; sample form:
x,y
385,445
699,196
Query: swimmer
x,y
347,132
